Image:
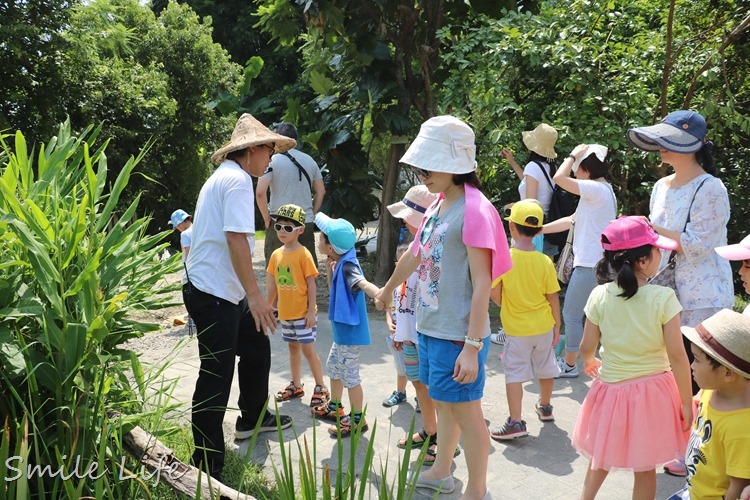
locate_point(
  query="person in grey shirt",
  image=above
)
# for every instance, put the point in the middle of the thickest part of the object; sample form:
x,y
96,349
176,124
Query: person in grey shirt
x,y
292,177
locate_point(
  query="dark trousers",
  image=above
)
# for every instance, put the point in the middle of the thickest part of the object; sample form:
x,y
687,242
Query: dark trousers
x,y
307,238
225,330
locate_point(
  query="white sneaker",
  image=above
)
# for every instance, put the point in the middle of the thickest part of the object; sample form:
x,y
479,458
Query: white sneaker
x,y
565,370
498,338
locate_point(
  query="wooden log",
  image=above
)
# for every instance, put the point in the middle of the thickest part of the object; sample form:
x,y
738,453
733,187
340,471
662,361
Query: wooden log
x,y
163,465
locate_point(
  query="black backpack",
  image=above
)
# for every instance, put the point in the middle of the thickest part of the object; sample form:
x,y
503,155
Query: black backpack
x,y
560,206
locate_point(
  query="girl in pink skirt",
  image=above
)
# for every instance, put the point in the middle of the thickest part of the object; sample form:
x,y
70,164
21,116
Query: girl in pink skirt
x,y
639,407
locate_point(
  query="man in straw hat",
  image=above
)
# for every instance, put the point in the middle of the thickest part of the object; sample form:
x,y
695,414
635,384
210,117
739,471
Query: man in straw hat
x,y
718,453
223,298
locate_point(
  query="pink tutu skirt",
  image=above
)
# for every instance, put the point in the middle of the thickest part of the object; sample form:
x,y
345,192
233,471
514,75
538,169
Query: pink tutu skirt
x,y
634,424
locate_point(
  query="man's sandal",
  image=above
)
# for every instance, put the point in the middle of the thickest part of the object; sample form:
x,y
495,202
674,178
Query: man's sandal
x,y
431,455
422,435
320,396
290,392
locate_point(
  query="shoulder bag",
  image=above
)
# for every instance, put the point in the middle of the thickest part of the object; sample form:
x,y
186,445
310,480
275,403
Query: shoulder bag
x,y
564,264
665,277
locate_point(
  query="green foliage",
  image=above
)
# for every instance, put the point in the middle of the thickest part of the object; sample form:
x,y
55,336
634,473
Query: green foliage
x,y
595,69
74,269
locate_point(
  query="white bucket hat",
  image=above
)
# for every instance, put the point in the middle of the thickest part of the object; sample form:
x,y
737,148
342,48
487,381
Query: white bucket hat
x,y
444,144
250,132
415,203
541,140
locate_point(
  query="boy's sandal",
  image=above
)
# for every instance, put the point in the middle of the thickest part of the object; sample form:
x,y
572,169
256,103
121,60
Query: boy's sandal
x,y
422,435
319,397
431,455
290,392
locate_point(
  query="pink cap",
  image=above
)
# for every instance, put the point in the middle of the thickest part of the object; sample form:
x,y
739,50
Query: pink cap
x,y
739,251
632,232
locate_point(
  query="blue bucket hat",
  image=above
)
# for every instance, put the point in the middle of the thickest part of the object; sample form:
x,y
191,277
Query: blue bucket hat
x,y
178,217
681,131
340,232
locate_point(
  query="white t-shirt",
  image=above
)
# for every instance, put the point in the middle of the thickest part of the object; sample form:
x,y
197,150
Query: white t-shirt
x,y
186,238
596,209
544,190
747,310
405,302
226,204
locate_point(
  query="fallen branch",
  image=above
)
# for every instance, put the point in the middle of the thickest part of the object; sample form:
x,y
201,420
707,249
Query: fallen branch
x,y
182,477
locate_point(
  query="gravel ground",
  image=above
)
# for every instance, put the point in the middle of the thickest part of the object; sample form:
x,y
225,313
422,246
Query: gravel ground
x,y
157,346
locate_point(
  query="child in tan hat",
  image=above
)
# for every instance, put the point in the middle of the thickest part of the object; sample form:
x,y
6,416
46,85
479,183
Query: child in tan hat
x,y
718,453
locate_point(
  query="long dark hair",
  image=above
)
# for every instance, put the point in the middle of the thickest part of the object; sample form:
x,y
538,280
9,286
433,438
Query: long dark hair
x,y
618,265
536,157
471,178
705,159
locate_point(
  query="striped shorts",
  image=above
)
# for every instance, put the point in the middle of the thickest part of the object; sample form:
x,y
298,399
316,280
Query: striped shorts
x,y
295,331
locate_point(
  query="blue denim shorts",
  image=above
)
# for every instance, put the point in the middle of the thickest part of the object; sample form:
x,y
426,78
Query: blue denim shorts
x,y
437,359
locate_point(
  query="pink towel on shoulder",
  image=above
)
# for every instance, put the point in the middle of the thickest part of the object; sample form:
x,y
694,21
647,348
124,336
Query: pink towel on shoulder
x,y
482,229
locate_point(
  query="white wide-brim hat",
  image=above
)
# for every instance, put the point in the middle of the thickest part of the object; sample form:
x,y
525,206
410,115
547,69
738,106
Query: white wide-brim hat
x,y
250,132
541,140
724,336
444,144
414,205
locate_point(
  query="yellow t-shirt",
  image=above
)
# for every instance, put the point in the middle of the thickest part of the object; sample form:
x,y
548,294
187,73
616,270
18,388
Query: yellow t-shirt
x,y
719,447
524,310
290,271
632,330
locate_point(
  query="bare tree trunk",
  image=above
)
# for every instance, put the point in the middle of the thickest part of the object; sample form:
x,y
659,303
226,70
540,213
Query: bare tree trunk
x,y
668,62
388,227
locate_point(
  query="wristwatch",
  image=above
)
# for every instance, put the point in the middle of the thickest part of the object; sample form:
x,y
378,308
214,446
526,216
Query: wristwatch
x,y
478,343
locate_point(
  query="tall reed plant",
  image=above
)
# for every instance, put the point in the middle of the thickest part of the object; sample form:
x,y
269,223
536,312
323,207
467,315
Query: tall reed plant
x,y
74,265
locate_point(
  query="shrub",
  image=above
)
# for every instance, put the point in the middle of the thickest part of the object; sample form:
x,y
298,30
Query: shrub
x,y
72,269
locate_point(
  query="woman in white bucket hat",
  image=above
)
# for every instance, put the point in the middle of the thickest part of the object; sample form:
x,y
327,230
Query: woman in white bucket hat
x,y
462,249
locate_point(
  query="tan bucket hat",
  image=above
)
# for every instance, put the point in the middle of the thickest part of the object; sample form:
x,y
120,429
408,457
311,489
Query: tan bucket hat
x,y
250,132
541,140
414,205
725,336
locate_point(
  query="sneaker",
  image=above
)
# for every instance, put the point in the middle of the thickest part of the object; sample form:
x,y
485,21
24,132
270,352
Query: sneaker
x,y
394,399
544,412
329,412
346,425
675,467
243,430
509,430
565,370
498,338
416,406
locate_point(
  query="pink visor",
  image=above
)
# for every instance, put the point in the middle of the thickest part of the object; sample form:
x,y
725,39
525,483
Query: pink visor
x,y
739,251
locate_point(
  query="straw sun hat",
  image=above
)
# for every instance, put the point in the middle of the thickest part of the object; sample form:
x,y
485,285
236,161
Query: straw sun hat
x,y
724,336
541,140
250,132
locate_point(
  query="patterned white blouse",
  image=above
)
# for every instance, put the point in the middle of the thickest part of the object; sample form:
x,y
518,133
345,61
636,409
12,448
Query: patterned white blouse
x,y
702,277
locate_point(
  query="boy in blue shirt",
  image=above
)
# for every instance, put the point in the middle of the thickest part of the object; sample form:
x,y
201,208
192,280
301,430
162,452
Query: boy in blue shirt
x,y
348,314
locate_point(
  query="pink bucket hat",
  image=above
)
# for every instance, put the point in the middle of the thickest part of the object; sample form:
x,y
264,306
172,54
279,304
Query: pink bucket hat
x,y
739,251
413,206
632,232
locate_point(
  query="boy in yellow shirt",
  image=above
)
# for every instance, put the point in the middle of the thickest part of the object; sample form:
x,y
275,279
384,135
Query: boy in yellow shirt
x,y
291,281
530,313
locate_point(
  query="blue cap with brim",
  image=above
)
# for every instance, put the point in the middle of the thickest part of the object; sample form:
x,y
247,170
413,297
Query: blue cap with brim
x,y
340,232
680,132
178,217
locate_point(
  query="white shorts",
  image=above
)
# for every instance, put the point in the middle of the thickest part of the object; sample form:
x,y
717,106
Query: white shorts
x,y
525,356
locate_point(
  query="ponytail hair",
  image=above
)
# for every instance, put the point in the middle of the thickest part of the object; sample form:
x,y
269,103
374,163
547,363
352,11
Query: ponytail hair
x,y
618,266
705,159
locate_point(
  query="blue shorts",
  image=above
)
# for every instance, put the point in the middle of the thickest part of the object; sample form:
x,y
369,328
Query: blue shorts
x,y
437,360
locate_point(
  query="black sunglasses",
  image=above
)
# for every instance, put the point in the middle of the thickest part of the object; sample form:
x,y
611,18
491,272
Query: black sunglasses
x,y
273,150
420,172
287,228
